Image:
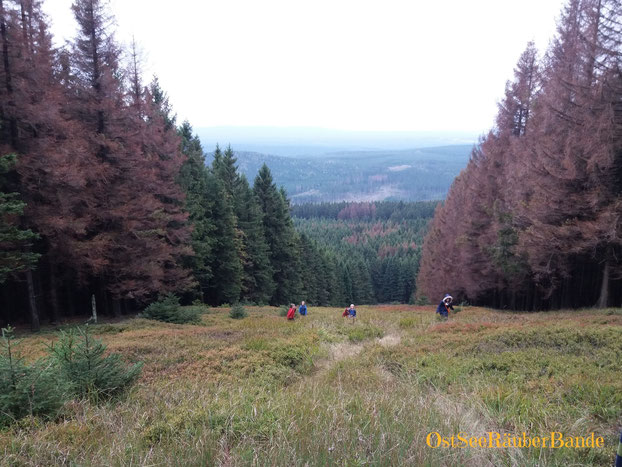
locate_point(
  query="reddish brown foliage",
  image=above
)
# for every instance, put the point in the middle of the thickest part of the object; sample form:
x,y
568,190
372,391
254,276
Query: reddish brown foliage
x,y
534,220
98,169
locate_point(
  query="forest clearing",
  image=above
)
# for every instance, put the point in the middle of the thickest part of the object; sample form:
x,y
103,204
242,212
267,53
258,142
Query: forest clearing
x,y
324,390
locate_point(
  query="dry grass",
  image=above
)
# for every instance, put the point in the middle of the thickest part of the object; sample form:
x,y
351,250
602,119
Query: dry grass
x,y
324,391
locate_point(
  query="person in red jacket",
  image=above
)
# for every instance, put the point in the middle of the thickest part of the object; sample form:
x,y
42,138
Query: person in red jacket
x,y
291,313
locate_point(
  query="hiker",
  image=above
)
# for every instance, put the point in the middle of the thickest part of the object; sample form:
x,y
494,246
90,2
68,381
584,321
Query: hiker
x,y
346,312
291,313
352,312
445,305
303,309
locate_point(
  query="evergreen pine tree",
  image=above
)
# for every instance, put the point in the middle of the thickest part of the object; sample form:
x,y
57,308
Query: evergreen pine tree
x,y
280,236
226,284
34,389
92,373
257,282
194,178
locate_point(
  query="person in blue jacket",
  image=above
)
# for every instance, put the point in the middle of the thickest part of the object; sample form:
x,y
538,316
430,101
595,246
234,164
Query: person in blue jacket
x,y
302,309
445,305
352,311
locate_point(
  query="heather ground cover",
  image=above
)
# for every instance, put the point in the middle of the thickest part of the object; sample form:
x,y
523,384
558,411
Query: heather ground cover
x,y
326,391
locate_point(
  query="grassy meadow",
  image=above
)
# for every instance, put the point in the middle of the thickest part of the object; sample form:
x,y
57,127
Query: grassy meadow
x,y
326,391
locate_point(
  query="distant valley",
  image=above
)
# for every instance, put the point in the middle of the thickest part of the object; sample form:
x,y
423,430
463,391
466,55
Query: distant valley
x,y
411,175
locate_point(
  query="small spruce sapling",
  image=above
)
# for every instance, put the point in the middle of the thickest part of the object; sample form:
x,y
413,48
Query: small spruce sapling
x,y
27,389
168,310
82,361
237,312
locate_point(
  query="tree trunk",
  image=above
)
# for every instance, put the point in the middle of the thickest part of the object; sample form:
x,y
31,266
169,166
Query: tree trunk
x,y
566,298
71,309
7,305
116,307
603,300
7,76
39,295
32,303
54,312
93,309
102,298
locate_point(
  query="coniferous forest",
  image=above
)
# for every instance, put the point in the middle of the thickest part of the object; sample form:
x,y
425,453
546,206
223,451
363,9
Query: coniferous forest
x,y
376,247
534,221
103,194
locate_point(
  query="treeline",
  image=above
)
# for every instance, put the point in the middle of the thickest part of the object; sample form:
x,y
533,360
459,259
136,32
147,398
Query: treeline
x,y
534,220
376,246
102,194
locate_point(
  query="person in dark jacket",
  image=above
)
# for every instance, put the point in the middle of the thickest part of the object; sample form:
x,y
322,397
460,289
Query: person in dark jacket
x,y
302,309
445,305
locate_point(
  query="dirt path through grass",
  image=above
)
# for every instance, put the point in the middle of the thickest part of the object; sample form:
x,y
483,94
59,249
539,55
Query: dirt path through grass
x,y
390,340
455,411
343,350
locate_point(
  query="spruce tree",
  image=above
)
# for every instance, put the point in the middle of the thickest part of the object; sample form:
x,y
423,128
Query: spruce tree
x,y
91,371
34,389
225,169
257,282
226,284
280,236
194,178
134,239
311,271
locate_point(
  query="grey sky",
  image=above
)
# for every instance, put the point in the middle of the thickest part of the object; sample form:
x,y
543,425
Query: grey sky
x,y
344,64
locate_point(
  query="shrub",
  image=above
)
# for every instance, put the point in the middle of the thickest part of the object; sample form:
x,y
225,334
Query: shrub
x,y
28,390
237,312
169,311
422,301
90,373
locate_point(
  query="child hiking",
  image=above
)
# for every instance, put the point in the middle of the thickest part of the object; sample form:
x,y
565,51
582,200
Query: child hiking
x,y
302,310
352,312
444,306
291,313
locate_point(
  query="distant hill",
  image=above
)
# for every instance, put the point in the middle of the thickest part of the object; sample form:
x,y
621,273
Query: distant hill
x,y
317,142
411,175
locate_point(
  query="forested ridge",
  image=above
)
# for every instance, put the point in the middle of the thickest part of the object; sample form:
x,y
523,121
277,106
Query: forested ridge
x,y
356,176
534,221
376,246
103,194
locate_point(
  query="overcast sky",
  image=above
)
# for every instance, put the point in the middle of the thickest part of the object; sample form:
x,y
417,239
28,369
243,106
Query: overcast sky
x,y
407,65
